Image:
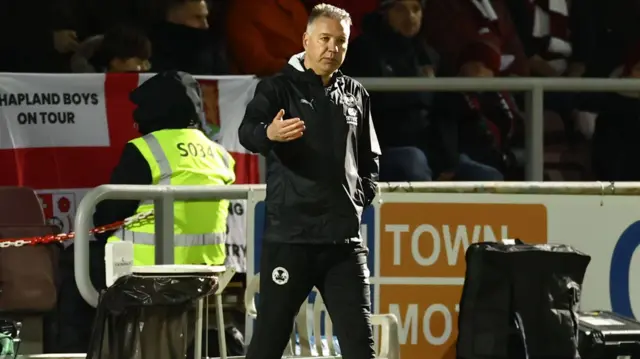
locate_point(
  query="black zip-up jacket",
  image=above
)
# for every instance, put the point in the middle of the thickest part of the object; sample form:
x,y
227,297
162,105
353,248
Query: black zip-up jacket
x,y
319,184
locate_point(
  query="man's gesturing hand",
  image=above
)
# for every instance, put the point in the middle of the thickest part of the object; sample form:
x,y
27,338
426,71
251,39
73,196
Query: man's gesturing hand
x,y
281,130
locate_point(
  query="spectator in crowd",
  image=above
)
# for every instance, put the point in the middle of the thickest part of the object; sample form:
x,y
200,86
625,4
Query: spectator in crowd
x,y
263,35
71,22
490,123
615,146
121,49
74,21
417,146
356,8
42,35
616,26
556,35
182,40
451,24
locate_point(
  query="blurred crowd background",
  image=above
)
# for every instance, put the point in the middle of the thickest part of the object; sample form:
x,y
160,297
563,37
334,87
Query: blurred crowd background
x,y
425,136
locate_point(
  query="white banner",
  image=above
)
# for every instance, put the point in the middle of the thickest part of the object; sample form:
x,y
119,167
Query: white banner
x,y
35,111
236,240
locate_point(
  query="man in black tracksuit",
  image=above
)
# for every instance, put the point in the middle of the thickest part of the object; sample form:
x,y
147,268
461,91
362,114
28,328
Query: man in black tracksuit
x,y
322,163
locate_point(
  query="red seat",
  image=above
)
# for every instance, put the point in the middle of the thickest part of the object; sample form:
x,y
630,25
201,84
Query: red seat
x,y
27,274
20,206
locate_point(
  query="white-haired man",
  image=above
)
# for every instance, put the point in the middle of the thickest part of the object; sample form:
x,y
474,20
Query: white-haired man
x,y
313,125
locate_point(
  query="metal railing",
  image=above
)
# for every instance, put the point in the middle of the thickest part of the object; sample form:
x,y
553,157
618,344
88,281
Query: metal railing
x,y
163,197
534,89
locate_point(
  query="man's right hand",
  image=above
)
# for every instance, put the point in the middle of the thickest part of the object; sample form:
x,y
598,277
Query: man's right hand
x,y
281,130
65,41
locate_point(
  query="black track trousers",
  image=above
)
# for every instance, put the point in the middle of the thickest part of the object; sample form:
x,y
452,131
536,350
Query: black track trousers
x,y
340,273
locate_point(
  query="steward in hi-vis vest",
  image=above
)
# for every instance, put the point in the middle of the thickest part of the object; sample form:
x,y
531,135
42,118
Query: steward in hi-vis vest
x,y
176,152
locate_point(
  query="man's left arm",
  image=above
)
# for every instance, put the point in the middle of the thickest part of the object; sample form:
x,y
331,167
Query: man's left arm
x,y
132,169
368,153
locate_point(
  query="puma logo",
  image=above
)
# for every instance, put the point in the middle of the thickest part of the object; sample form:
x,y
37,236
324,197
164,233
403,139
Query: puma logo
x,y
307,102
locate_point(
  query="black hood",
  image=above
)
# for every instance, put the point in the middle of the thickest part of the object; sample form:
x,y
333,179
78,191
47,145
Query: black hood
x,y
170,99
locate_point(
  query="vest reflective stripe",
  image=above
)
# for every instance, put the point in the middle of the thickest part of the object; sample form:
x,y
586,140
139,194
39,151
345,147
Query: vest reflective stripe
x,y
163,164
228,160
180,240
160,157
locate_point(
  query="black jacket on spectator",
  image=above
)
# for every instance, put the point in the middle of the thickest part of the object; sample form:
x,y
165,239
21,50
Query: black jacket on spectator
x,y
182,48
581,27
616,27
616,149
489,123
401,118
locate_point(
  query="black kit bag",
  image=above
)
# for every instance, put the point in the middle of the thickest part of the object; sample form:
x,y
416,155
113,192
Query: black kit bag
x,y
520,301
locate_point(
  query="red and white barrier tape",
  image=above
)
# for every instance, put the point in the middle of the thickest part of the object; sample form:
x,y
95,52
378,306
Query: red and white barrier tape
x,y
19,242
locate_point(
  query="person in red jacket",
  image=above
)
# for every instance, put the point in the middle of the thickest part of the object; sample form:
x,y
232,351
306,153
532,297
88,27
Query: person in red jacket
x,y
263,35
449,25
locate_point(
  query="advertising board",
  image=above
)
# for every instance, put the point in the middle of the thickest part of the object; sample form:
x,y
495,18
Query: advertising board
x,y
417,243
421,262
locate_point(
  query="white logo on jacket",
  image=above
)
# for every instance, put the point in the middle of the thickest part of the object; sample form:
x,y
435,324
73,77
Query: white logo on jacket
x,y
349,100
307,102
280,276
350,106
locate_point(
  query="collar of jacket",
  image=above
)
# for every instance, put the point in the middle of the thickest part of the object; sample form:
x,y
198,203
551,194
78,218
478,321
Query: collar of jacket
x,y
295,68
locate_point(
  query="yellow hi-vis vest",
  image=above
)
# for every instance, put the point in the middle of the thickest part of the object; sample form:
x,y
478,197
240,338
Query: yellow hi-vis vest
x,y
184,157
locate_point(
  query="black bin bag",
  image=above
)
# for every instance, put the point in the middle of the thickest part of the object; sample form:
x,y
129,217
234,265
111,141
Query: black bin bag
x,y
149,316
520,301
